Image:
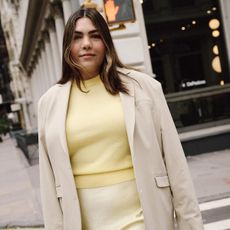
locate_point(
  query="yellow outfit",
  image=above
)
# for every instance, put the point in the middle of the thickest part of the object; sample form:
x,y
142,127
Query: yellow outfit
x,y
101,159
113,207
96,137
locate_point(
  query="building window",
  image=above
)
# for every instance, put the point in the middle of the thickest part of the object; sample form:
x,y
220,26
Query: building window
x,y
182,3
188,56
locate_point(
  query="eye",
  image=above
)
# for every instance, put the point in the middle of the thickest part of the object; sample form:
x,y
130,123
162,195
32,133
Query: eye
x,y
77,36
96,36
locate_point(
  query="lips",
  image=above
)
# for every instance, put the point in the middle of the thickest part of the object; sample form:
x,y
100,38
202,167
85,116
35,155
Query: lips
x,y
87,55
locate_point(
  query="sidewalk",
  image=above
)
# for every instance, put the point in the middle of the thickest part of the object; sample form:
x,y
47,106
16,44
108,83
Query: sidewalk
x,y
19,193
211,175
18,228
20,199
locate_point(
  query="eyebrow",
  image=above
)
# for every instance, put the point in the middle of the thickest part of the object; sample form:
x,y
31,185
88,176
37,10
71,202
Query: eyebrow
x,y
90,32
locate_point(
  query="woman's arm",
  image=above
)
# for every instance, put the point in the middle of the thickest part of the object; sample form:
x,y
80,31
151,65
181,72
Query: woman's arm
x,y
184,197
50,205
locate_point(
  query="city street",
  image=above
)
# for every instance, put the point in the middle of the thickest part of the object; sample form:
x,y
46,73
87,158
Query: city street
x,y
216,214
211,176
89,51
19,193
20,199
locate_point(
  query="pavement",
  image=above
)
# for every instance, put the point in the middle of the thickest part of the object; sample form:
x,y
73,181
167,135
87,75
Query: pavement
x,y
20,203
211,175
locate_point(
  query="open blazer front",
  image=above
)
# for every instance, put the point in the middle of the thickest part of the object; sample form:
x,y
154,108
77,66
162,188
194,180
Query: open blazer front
x,y
162,176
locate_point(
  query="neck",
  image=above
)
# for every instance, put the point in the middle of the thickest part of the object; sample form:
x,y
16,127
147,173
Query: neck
x,y
87,76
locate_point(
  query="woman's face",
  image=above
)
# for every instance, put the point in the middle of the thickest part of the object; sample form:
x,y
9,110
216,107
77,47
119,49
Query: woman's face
x,y
87,48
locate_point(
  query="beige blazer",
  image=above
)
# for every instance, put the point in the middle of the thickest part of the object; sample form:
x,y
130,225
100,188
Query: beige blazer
x,y
162,176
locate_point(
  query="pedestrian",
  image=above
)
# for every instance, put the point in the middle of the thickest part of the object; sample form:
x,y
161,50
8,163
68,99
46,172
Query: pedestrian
x,y
110,156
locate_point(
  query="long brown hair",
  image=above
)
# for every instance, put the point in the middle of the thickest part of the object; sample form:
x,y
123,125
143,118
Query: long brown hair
x,y
108,71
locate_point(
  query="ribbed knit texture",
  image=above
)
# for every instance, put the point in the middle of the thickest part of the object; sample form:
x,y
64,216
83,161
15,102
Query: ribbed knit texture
x,y
96,137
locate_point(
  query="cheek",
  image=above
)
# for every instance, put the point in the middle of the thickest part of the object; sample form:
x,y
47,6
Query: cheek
x,y
102,49
74,50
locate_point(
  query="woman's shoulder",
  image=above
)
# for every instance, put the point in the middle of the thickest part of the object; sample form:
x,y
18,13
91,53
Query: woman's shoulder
x,y
142,79
51,94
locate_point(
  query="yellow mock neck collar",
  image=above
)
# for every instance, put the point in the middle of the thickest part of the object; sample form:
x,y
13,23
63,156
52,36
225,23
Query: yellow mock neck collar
x,y
92,81
89,83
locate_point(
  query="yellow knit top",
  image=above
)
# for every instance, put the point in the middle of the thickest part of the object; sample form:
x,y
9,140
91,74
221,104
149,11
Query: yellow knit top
x,y
96,137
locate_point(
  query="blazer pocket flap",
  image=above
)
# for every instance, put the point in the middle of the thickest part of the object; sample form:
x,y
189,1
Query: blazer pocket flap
x,y
59,191
162,181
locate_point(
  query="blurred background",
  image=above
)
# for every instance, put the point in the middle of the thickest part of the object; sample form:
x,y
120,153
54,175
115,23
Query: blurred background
x,y
183,44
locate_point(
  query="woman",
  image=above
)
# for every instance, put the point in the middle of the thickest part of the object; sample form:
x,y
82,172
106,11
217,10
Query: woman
x,y
110,157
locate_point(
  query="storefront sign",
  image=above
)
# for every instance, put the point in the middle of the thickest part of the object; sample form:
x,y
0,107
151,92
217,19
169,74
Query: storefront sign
x,y
193,83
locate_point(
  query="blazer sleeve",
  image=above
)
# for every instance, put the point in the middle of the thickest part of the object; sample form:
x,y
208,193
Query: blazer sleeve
x,y
52,213
184,198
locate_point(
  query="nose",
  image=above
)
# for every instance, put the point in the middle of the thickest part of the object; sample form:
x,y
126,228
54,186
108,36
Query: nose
x,y
86,43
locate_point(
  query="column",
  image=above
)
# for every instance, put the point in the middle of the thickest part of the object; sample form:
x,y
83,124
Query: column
x,y
67,9
54,48
59,25
37,84
143,35
49,58
30,96
44,68
75,5
41,75
19,81
34,89
14,86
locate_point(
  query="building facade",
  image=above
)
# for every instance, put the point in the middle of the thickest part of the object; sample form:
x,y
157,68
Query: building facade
x,y
34,31
6,96
185,43
5,92
188,47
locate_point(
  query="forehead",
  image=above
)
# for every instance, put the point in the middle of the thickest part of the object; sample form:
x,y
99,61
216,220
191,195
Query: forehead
x,y
84,24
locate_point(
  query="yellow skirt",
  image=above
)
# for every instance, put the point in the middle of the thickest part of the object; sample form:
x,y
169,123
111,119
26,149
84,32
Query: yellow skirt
x,y
114,207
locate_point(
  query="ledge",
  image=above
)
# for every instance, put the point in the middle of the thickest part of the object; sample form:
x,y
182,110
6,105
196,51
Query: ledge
x,y
206,132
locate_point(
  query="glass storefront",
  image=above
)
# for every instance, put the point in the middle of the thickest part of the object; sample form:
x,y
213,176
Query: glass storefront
x,y
200,107
188,54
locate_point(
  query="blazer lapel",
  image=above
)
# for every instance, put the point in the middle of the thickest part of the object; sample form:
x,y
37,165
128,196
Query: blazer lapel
x,y
128,104
63,107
